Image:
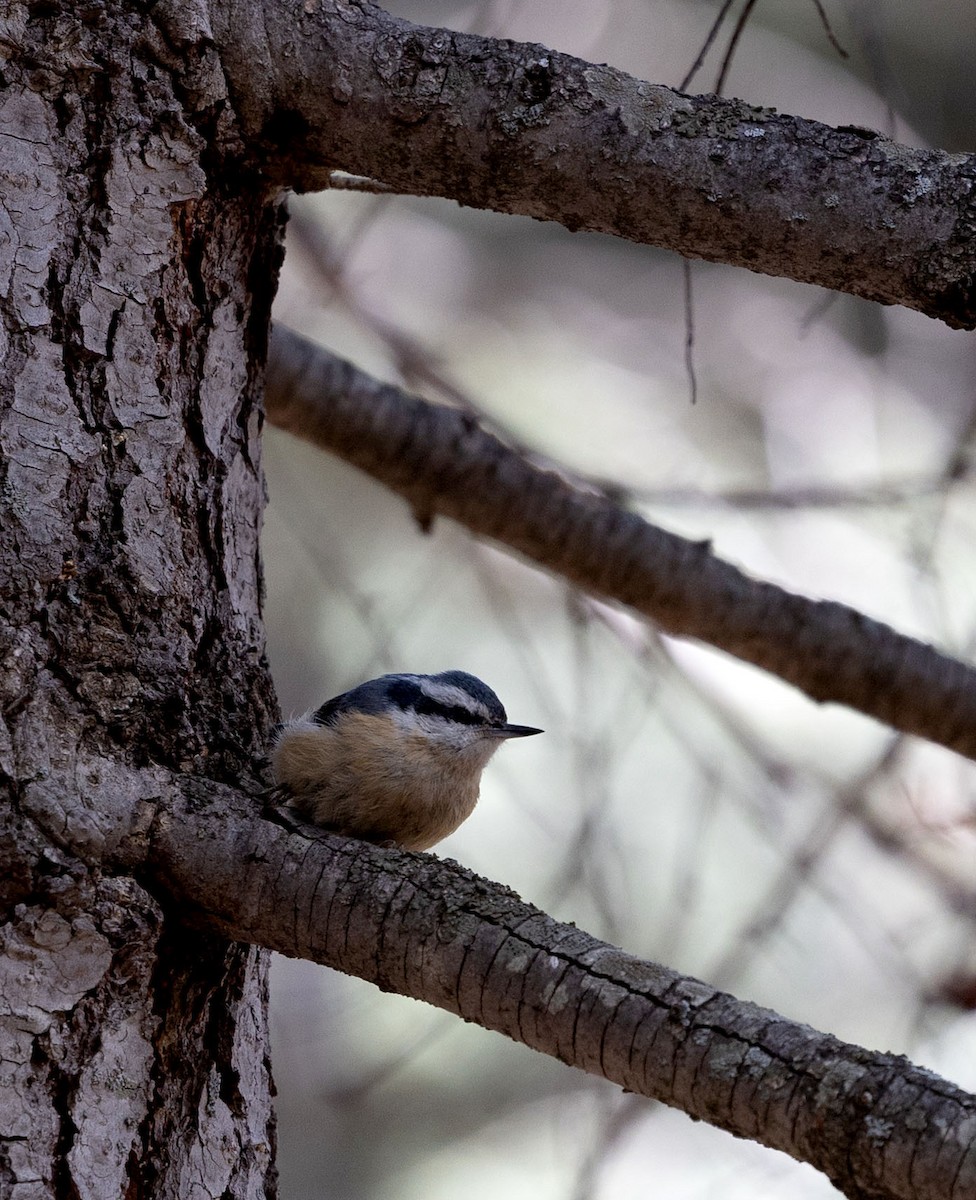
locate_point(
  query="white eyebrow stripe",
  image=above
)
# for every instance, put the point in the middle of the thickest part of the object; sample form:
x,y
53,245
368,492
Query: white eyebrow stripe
x,y
453,697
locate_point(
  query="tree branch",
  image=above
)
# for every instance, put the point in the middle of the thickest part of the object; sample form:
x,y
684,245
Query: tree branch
x,y
521,129
875,1125
443,463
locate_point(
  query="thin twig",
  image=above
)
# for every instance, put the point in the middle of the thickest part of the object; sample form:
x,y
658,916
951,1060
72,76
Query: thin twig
x,y
733,42
690,332
444,464
831,37
339,181
706,46
810,496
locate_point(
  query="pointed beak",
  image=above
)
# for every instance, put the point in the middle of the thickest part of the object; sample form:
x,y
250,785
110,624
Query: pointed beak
x,y
507,731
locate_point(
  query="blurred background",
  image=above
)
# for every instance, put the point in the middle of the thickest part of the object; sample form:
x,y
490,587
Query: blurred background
x,y
681,805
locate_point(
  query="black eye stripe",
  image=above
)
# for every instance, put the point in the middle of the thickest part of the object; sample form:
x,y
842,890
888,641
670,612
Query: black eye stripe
x,y
406,694
450,712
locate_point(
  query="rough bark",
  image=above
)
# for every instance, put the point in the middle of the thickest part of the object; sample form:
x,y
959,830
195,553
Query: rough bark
x,y
412,924
137,263
443,463
521,129
137,260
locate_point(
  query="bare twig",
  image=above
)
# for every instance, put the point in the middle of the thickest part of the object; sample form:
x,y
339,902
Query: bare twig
x,y
689,332
706,45
444,464
411,923
339,181
733,43
831,36
519,128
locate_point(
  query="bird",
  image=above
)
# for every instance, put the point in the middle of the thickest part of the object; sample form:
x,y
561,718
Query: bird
x,y
396,760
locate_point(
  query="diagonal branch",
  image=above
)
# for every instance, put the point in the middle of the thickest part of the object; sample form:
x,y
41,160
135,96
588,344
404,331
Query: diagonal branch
x,y
521,129
414,924
443,463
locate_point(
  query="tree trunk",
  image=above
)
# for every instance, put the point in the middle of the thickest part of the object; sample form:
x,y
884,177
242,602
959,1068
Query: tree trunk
x,y
139,243
138,257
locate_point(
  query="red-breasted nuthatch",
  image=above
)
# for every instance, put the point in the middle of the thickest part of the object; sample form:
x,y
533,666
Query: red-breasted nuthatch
x,y
397,759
